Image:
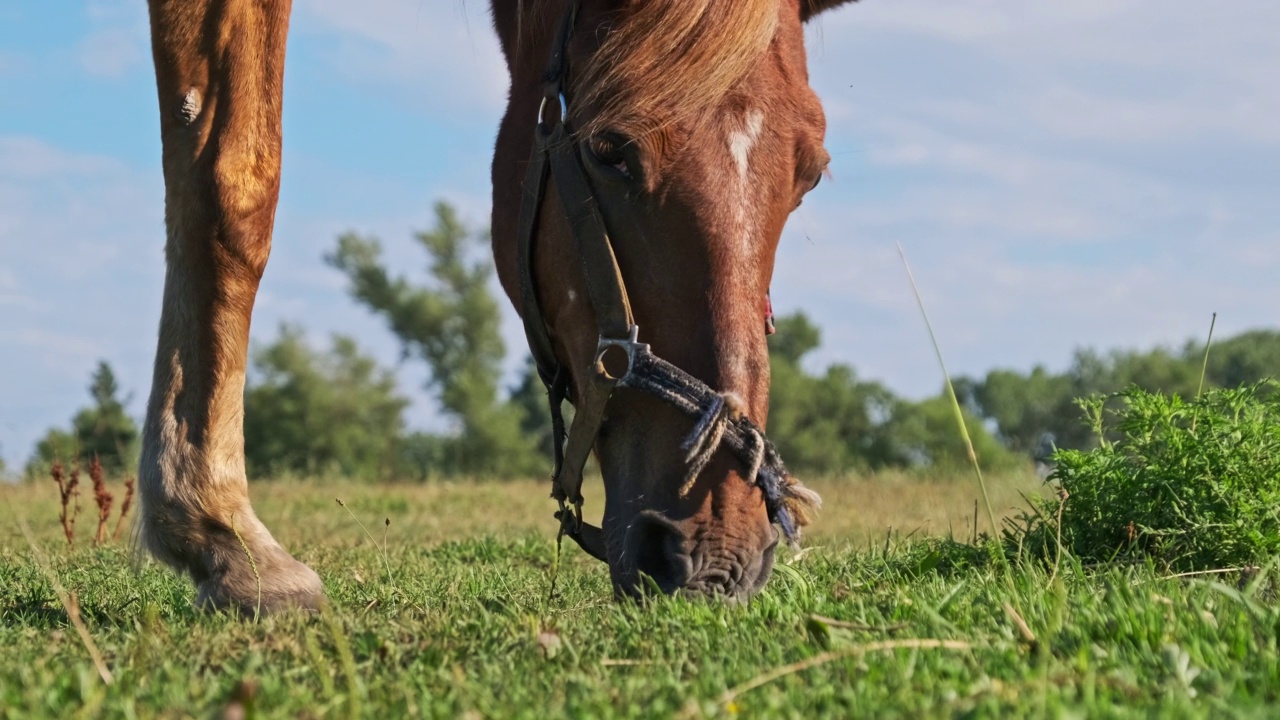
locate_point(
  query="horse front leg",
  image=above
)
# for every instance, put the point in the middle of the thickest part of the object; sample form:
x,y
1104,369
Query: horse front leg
x,y
219,73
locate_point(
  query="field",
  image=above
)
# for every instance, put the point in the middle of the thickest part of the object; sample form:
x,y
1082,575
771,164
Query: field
x,y
449,614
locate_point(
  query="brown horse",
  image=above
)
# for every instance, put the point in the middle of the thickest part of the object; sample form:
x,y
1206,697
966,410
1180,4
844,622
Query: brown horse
x,y
670,140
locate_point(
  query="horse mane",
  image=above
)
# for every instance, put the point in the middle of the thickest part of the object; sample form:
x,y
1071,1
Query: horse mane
x,y
669,61
664,62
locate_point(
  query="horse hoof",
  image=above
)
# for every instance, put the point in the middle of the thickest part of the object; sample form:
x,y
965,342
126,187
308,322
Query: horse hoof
x,y
273,584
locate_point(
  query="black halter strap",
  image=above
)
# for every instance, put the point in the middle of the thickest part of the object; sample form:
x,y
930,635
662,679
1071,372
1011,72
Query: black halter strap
x,y
558,155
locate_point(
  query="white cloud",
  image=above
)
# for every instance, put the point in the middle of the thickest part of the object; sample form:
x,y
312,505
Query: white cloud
x,y
1096,172
439,56
1062,174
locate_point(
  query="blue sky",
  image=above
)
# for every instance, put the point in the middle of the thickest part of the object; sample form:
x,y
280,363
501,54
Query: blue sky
x,y
1096,173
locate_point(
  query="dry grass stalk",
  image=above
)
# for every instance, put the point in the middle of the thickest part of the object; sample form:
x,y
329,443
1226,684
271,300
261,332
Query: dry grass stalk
x,y
823,658
1024,630
951,395
257,609
124,506
1204,368
102,498
847,625
69,496
385,559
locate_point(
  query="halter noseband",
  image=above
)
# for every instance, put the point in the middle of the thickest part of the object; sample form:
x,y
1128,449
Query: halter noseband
x,y
557,153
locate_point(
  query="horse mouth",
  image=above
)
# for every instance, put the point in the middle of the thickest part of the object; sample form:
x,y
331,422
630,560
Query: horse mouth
x,y
658,555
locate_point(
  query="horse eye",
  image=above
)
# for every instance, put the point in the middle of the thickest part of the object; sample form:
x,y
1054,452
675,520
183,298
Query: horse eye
x,y
608,151
800,200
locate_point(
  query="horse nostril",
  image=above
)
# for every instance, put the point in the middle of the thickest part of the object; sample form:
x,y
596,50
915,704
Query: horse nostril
x,y
657,546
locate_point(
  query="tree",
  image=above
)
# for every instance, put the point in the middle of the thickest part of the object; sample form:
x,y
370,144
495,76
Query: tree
x,y
795,336
529,397
1024,407
1030,408
104,431
834,422
310,413
925,434
830,423
453,324
1241,360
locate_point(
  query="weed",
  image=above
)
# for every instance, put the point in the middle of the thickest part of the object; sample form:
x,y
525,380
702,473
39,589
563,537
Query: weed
x,y
69,497
102,498
124,505
1191,485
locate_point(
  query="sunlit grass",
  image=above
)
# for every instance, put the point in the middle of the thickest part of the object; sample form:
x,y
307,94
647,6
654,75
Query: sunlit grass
x,y
455,620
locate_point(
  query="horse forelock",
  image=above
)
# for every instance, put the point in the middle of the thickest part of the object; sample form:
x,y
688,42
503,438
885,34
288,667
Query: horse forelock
x,y
665,62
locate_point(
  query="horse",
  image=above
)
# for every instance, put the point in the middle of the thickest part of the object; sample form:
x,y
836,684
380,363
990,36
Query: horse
x,y
649,155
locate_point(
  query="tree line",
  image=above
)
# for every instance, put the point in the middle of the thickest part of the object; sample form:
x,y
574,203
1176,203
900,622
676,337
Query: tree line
x,y
334,411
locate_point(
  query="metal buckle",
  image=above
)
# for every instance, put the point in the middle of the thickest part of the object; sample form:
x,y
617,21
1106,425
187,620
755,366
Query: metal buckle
x,y
630,345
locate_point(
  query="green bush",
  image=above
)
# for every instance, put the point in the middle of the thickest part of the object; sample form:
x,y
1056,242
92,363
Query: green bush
x,y
1189,484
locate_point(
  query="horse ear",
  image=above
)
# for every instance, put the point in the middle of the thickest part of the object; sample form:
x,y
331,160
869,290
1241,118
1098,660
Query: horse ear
x,y
811,8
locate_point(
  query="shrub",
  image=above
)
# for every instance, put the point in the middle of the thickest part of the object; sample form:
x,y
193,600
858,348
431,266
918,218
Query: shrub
x,y
1190,484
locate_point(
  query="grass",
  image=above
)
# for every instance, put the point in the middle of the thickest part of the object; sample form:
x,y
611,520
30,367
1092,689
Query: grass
x,y
449,616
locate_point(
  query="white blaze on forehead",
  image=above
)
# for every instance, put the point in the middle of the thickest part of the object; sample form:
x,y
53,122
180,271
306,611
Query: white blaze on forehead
x,y
742,141
742,136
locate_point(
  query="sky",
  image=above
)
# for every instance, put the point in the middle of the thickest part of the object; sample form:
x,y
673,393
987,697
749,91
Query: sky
x,y
1061,174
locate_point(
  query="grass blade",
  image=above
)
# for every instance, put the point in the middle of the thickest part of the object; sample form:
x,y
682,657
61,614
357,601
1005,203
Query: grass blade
x,y
951,395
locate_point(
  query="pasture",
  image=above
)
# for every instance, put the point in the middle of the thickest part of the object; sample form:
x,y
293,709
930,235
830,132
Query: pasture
x,y
446,611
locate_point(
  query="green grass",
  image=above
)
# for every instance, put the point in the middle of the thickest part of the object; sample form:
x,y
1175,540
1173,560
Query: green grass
x,y
464,627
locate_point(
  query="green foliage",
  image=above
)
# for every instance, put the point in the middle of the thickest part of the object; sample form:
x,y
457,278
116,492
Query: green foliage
x,y
925,434
309,413
835,423
822,424
1029,407
1023,406
103,430
1243,359
1191,484
452,323
795,336
529,398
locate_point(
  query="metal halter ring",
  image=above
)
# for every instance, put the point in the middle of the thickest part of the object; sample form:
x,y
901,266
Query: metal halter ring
x,y
630,345
542,107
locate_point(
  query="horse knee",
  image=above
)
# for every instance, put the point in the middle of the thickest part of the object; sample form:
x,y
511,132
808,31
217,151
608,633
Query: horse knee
x,y
246,185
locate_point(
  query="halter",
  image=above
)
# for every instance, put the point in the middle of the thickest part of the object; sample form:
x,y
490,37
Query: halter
x,y
558,154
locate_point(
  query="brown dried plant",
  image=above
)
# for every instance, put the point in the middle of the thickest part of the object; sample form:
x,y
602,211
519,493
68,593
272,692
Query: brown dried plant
x,y
68,493
124,506
102,498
